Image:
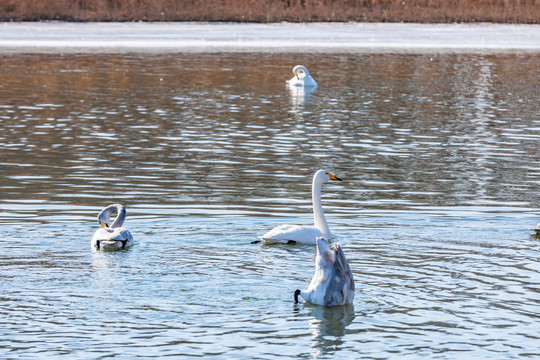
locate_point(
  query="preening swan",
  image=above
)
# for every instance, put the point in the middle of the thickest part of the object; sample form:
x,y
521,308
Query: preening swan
x,y
305,234
332,283
301,77
114,237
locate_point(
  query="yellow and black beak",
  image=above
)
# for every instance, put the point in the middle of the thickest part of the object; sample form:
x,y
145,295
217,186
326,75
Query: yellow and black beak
x,y
332,177
103,224
298,77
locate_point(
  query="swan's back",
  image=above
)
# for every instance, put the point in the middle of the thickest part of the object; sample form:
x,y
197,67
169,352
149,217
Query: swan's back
x,y
120,233
111,239
292,234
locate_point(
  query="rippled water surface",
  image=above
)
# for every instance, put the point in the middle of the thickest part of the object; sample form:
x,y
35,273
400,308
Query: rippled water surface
x,y
440,159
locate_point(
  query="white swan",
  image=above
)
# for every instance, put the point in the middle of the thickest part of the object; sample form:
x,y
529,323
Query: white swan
x,y
305,234
114,237
333,283
536,230
301,77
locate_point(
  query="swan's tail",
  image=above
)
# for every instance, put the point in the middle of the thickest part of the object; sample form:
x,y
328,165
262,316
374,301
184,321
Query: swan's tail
x,y
111,245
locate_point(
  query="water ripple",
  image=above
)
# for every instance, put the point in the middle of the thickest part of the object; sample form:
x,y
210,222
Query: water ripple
x,y
208,151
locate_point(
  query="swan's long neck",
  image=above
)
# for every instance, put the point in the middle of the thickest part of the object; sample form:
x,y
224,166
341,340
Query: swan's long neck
x,y
120,217
318,214
298,68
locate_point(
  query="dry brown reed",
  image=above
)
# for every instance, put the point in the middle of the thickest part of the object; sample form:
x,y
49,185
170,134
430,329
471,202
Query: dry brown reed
x,y
424,11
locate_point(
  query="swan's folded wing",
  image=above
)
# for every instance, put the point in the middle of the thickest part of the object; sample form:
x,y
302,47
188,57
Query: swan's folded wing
x,y
341,261
117,234
122,234
340,289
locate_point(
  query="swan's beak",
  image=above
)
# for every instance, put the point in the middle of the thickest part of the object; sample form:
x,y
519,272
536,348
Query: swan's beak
x,y
103,224
332,177
297,76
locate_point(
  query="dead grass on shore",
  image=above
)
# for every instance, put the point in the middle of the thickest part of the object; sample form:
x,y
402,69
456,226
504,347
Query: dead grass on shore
x,y
424,11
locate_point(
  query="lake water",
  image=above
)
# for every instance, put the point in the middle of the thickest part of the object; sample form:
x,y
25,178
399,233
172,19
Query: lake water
x,y
439,156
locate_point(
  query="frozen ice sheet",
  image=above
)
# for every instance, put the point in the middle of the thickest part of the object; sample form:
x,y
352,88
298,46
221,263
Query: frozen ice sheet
x,y
285,37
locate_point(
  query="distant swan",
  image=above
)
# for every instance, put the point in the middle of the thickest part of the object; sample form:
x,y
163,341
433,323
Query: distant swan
x,y
114,237
301,77
305,234
536,230
333,283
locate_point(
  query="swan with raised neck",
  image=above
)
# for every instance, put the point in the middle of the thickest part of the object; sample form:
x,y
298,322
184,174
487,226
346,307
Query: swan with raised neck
x,y
306,234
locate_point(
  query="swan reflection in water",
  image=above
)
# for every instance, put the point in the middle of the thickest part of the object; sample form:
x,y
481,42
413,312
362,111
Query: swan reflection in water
x,y
329,327
300,96
107,274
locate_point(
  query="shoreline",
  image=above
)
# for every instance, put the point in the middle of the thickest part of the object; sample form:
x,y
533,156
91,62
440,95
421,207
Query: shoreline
x,y
110,37
275,11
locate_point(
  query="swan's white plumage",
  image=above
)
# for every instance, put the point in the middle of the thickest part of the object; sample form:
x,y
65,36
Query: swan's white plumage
x,y
114,237
301,77
292,233
305,234
333,282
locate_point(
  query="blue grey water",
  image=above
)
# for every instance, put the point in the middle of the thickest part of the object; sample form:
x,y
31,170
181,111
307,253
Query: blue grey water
x,y
439,156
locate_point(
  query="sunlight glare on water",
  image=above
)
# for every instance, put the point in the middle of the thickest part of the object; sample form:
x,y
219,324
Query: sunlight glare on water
x,y
438,153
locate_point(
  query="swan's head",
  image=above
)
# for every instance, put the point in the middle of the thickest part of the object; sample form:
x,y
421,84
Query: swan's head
x,y
300,71
104,218
324,176
325,255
